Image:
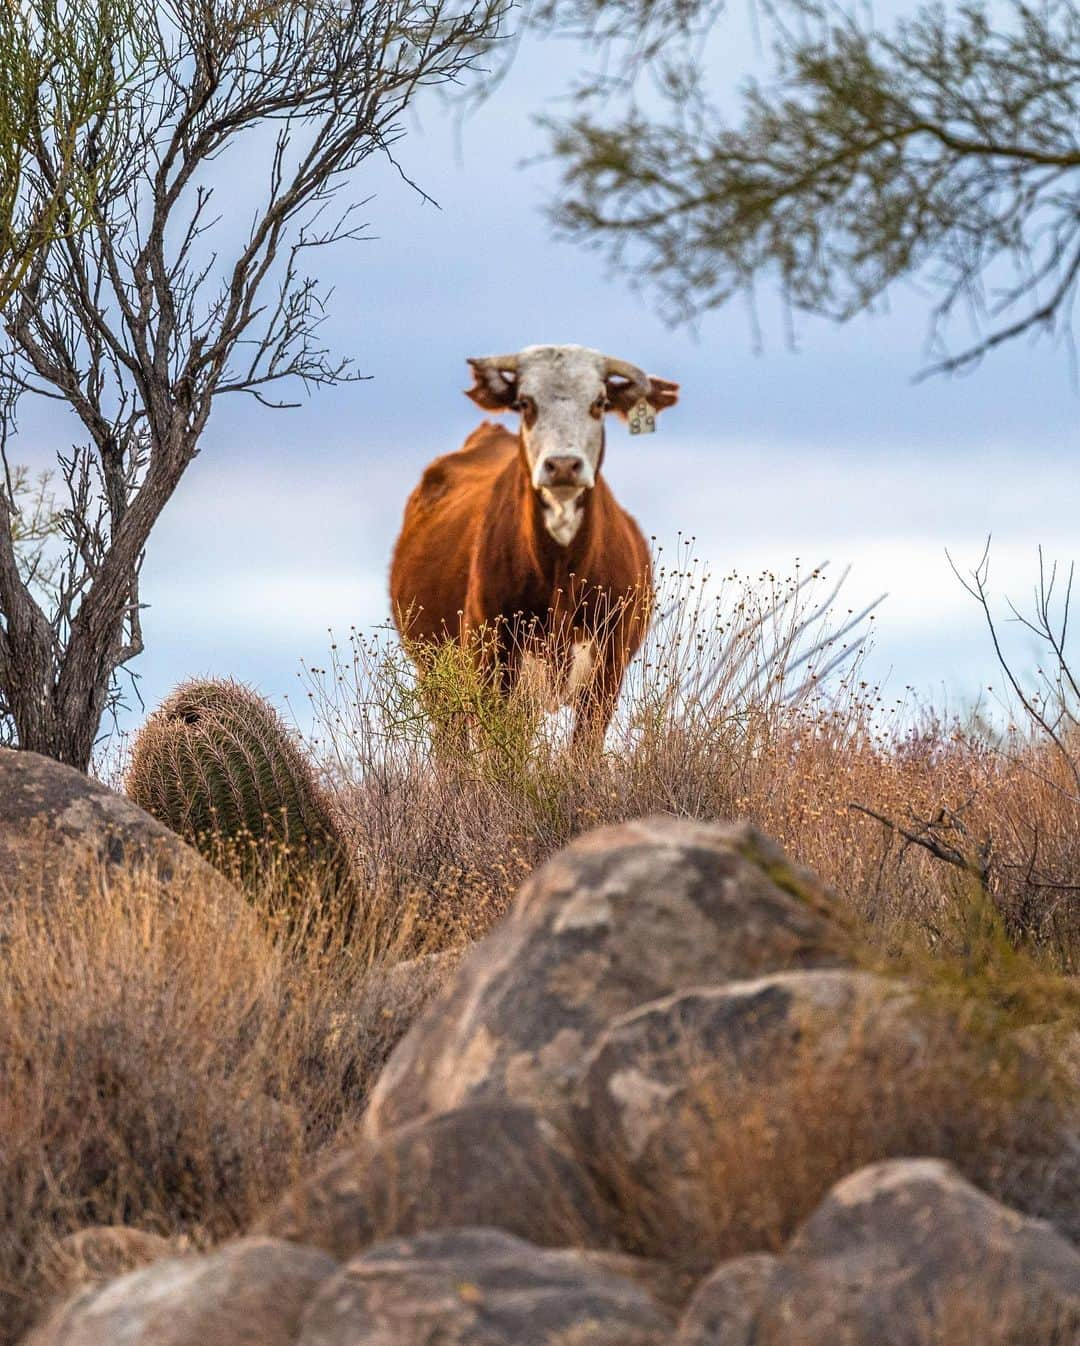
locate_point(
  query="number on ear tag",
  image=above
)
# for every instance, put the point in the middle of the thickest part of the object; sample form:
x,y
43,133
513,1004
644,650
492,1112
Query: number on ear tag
x,y
642,418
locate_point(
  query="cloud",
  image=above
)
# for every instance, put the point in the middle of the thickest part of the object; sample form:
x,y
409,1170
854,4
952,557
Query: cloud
x,y
283,525
248,571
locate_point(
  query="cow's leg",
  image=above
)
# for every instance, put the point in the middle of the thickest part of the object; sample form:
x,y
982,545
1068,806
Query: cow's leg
x,y
496,657
596,700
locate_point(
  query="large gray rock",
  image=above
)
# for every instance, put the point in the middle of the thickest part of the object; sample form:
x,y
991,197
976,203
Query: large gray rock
x,y
493,1164
906,1253
480,1287
669,1087
726,1304
623,916
61,830
249,1293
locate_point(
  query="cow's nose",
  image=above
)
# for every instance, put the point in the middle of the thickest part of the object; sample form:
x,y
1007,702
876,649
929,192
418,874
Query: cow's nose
x,y
563,469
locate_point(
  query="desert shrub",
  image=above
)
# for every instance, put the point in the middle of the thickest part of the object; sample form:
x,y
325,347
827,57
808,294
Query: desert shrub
x,y
160,1070
165,1069
747,702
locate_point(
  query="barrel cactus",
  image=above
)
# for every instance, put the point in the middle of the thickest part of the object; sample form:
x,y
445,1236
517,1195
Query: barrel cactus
x,y
216,764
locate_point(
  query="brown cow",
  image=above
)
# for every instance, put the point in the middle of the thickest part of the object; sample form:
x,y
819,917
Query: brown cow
x,y
516,543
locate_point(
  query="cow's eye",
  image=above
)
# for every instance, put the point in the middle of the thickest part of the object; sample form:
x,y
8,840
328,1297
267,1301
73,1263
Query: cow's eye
x,y
522,404
602,403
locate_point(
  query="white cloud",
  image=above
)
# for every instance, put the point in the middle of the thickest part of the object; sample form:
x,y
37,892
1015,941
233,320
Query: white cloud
x,y
248,571
284,524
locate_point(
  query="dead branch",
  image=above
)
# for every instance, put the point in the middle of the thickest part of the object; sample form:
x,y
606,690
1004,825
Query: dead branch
x,y
927,834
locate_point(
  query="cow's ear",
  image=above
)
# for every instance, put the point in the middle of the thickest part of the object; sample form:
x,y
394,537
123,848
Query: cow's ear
x,y
493,388
624,395
662,393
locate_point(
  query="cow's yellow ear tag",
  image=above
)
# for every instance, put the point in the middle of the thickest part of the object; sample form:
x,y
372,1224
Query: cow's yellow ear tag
x,y
642,418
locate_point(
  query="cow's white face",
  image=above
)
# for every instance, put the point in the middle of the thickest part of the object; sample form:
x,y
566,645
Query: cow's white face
x,y
562,394
562,397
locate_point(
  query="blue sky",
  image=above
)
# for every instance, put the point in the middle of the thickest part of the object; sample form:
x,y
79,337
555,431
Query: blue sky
x,y
284,524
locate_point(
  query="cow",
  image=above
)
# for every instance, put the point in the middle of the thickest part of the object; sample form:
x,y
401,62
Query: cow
x,y
515,545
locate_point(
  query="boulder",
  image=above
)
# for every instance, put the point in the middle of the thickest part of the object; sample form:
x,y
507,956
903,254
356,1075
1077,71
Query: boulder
x,y
907,1253
494,1164
479,1287
725,1305
248,1293
623,916
60,829
1051,1049
666,1284
671,1089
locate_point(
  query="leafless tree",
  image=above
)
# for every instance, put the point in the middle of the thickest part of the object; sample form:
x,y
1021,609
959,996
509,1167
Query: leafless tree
x,y
138,322
1051,703
1044,744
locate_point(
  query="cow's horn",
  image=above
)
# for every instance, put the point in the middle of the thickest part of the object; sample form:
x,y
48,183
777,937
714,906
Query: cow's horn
x,y
507,363
638,378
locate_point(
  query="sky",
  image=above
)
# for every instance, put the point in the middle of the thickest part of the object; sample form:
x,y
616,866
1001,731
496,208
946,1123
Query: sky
x,y
282,529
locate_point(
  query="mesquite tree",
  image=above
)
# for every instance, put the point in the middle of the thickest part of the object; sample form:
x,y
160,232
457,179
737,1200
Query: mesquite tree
x,y
139,312
943,147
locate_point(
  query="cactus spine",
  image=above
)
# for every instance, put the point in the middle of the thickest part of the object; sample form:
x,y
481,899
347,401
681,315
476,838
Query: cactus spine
x,y
217,765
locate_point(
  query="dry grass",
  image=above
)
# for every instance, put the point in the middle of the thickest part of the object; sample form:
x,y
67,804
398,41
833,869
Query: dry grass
x,y
164,1069
756,1147
734,710
159,1071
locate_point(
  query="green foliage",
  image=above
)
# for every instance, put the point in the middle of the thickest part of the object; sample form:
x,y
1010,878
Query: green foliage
x,y
458,691
59,92
945,148
216,764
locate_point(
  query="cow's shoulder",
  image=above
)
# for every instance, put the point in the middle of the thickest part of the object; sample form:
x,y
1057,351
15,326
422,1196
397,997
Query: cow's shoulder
x,y
485,453
489,443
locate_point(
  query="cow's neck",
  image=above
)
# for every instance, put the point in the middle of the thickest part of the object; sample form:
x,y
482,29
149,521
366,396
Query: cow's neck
x,y
560,536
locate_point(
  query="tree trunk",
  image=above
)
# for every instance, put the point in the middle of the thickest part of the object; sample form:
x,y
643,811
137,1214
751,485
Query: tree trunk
x,y
56,699
65,729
